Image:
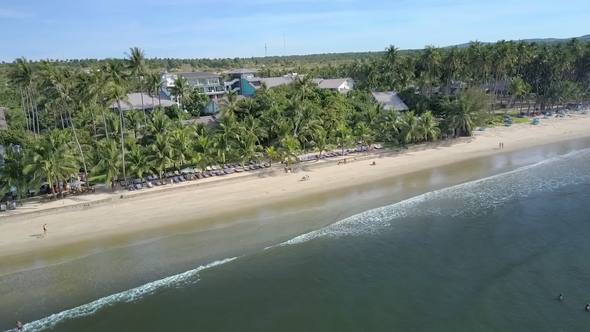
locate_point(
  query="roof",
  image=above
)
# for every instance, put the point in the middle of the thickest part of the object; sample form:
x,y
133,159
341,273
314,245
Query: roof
x,y
198,74
242,71
272,82
390,101
133,102
3,124
332,84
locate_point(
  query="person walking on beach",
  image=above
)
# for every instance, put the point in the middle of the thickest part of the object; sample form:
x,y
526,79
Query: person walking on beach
x,y
44,229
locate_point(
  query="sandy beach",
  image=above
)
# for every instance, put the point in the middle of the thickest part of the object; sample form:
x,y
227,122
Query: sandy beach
x,y
102,215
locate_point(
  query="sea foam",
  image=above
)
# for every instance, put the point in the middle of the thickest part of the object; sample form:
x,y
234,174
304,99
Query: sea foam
x,y
464,199
127,296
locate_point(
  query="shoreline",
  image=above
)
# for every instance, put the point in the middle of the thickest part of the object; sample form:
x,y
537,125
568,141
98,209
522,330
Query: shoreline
x,y
81,221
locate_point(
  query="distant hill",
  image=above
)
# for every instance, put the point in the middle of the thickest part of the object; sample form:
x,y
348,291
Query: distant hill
x,y
585,38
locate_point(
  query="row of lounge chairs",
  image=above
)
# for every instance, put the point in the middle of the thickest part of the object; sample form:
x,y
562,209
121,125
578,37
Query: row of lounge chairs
x,y
190,174
339,153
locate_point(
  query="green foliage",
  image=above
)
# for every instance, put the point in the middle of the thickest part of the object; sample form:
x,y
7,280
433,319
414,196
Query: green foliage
x,y
67,115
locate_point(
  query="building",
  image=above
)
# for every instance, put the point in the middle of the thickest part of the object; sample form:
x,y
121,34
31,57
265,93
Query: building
x,y
134,102
207,83
239,81
341,85
390,101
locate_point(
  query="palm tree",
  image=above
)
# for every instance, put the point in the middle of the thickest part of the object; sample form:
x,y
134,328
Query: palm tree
x,y
290,147
12,175
182,145
117,93
161,154
137,161
409,128
343,136
181,90
51,159
364,134
466,112
273,154
428,127
109,163
154,84
136,64
22,76
59,81
519,89
320,139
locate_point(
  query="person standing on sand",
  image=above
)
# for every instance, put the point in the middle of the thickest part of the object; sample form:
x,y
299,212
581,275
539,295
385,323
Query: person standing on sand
x,y
44,229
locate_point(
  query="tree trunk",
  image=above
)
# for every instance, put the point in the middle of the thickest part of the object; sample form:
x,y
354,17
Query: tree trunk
x,y
122,139
142,106
79,146
106,127
24,106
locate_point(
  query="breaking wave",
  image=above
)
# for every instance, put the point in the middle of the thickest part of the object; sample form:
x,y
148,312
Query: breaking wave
x,y
464,199
127,296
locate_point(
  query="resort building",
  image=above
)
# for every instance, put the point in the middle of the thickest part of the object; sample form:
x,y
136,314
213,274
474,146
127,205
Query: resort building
x,y
134,102
390,101
239,81
341,85
207,83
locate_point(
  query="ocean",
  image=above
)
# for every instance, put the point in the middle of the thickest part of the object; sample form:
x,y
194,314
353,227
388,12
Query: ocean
x,y
490,253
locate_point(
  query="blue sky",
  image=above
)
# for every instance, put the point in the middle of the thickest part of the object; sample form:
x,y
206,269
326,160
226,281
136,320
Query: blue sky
x,y
40,29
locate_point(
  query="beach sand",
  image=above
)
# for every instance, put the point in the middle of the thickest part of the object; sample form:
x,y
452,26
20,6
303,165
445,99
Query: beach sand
x,y
103,215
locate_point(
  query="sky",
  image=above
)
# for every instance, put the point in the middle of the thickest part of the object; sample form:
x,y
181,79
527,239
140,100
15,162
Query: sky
x,y
66,29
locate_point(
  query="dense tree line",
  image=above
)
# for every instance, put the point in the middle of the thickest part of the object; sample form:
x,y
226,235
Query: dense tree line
x,y
546,74
67,119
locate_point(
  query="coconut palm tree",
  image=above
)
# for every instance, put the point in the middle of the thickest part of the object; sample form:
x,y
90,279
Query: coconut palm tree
x,y
12,175
60,83
22,76
161,154
290,148
108,165
154,84
116,92
364,134
181,91
137,161
466,112
181,140
136,64
409,128
51,159
273,154
428,127
343,136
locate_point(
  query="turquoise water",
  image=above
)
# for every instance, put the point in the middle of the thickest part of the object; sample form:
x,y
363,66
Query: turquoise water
x,y
487,255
